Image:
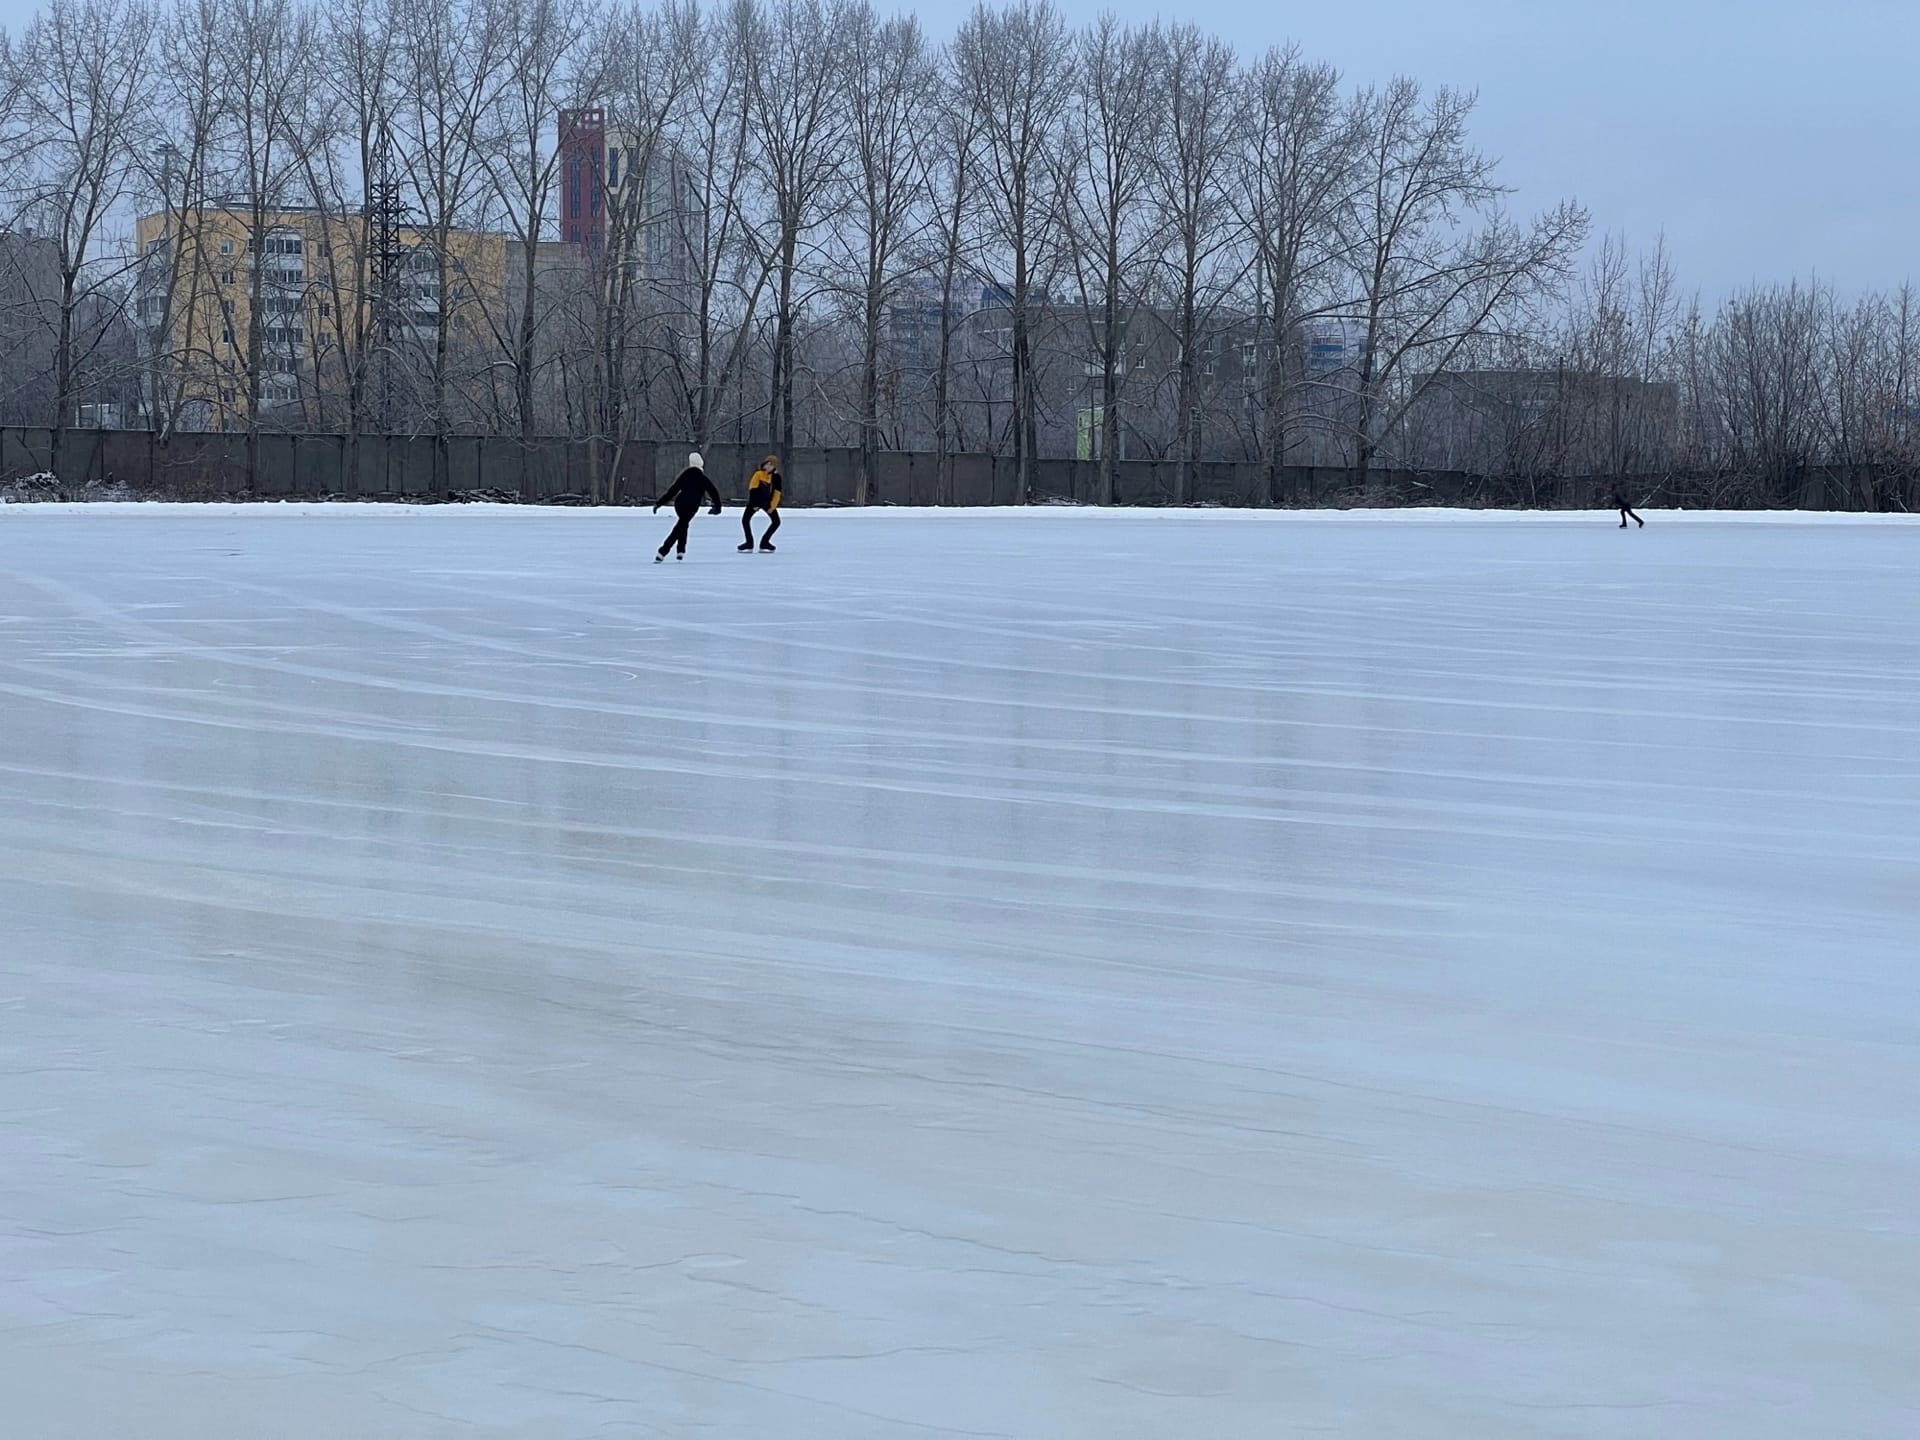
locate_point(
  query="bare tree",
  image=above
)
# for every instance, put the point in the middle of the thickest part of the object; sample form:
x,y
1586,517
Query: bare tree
x,y
1298,175
80,81
889,95
267,85
653,60
1205,125
361,53
542,43
1016,68
951,197
454,63
1106,169
1428,284
706,339
1763,350
1895,420
794,51
1856,362
176,280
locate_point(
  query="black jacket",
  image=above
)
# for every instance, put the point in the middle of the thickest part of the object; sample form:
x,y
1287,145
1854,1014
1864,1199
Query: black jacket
x,y
689,492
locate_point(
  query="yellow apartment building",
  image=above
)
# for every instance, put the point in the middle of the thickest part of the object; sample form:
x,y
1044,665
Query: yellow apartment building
x,y
317,290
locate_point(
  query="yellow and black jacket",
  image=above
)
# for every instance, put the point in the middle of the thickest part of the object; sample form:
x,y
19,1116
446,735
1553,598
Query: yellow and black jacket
x,y
764,489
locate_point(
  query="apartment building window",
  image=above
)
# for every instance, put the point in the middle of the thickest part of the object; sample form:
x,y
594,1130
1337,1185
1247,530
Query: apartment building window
x,y
226,307
226,247
227,336
226,277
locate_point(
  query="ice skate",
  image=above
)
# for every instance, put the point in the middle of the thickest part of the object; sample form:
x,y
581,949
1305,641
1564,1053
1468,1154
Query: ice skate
x,y
744,546
767,546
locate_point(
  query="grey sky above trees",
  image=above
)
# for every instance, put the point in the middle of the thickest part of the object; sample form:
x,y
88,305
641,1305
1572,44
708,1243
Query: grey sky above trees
x,y
1766,138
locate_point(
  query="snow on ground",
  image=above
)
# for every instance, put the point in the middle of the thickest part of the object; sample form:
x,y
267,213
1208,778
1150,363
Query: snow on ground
x,y
980,974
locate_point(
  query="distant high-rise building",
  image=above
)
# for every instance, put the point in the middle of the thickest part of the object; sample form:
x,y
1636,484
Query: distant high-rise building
x,y
1333,345
616,192
584,175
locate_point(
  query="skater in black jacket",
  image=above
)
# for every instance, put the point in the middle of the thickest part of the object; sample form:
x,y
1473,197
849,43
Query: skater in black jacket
x,y
686,494
1626,510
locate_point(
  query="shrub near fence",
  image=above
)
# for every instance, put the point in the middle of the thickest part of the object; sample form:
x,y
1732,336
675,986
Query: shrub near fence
x,y
202,466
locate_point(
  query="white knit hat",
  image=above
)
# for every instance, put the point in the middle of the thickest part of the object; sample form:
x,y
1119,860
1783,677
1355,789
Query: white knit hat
x,y
695,462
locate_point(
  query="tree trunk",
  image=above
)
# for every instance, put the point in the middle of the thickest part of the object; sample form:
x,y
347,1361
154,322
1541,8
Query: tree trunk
x,y
870,396
523,353
63,373
1109,379
942,380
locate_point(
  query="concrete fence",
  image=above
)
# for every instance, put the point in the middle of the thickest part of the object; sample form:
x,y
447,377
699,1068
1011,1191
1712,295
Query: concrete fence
x,y
195,466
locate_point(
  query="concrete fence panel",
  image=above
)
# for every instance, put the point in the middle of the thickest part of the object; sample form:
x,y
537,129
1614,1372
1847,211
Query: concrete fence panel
x,y
973,479
319,465
126,458
26,450
461,470
413,468
894,472
276,475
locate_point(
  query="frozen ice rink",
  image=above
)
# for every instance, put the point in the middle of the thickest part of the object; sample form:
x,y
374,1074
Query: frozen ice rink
x,y
1122,976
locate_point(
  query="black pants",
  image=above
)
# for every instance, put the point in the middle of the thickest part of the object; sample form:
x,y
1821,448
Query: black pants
x,y
678,535
1626,513
746,520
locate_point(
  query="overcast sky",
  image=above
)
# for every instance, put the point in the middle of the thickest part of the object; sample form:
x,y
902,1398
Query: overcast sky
x,y
1767,138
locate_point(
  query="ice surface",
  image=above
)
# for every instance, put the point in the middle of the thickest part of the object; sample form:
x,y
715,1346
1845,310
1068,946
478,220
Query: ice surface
x,y
1028,975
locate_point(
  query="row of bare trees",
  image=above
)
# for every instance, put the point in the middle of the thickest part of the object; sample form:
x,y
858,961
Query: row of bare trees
x,y
835,229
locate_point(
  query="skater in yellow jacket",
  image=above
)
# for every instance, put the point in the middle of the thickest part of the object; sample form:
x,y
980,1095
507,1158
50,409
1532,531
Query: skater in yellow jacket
x,y
763,493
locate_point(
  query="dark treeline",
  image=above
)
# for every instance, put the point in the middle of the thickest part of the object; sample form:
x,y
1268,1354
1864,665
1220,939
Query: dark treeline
x,y
814,224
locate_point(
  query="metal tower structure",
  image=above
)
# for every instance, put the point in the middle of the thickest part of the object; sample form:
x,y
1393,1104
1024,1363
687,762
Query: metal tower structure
x,y
386,264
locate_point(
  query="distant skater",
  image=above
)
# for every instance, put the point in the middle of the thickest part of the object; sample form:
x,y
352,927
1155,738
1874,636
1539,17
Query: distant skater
x,y
763,493
686,494
1626,510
